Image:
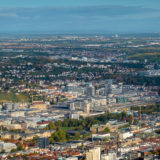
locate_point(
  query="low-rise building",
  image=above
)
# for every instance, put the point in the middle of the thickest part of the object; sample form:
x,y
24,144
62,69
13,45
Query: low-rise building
x,y
124,135
39,105
94,154
7,147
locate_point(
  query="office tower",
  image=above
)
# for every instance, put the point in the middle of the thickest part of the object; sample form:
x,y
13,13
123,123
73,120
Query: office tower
x,y
43,142
90,90
108,86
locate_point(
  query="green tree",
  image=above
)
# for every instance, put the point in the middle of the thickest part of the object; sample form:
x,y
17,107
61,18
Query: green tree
x,y
68,136
143,125
51,140
135,122
107,130
58,123
123,115
77,135
34,140
59,136
3,151
158,131
20,147
80,127
14,150
51,126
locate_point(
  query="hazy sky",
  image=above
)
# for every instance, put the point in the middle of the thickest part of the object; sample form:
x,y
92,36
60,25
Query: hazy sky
x,y
76,16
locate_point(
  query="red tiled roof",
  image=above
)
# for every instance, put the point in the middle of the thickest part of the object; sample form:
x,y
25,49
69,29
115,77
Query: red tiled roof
x,y
45,122
38,102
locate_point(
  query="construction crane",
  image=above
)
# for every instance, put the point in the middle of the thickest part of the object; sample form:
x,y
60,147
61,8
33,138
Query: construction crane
x,y
106,106
97,91
76,107
92,109
33,97
132,117
140,111
49,100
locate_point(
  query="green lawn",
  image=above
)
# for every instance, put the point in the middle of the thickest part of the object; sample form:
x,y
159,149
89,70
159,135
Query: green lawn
x,y
151,57
12,97
67,128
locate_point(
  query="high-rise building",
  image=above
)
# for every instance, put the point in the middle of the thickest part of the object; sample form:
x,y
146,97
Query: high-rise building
x,y
87,108
108,86
94,154
43,142
90,90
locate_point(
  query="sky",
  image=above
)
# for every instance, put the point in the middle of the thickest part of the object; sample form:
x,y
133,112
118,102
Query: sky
x,y
80,16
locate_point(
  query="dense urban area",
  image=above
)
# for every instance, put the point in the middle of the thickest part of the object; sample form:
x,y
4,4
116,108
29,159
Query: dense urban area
x,y
80,97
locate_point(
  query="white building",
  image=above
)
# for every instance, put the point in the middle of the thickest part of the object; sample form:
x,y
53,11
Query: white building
x,y
74,116
7,147
94,154
71,158
125,135
17,114
109,156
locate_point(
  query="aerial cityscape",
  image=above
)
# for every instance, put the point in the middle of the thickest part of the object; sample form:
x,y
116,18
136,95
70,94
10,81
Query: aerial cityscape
x,y
79,92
